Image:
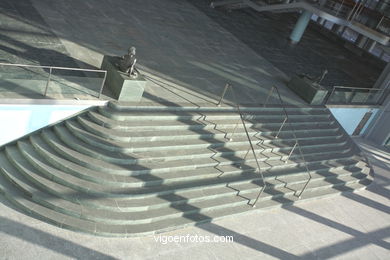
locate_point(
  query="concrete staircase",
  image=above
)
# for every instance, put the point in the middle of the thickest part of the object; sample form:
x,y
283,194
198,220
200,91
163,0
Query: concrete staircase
x,y
122,171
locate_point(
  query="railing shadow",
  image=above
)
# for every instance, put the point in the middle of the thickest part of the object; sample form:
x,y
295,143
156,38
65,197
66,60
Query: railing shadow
x,y
41,238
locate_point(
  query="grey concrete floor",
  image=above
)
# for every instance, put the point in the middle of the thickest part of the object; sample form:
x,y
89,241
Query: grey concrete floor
x,y
187,50
352,226
188,57
268,35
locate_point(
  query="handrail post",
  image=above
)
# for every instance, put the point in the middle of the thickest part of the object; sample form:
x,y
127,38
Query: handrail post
x,y
269,94
48,82
247,152
250,148
330,96
234,131
353,92
280,129
101,88
297,145
292,150
223,94
368,94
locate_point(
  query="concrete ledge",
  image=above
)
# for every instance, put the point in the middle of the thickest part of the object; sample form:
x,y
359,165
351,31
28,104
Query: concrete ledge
x,y
312,94
123,87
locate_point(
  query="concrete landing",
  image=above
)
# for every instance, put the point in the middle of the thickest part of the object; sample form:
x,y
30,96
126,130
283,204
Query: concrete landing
x,y
185,56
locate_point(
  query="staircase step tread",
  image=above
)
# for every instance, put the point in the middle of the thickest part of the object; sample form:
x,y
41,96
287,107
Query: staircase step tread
x,y
174,124
210,131
77,224
151,179
158,165
131,106
83,194
222,140
90,148
145,115
69,166
172,210
121,170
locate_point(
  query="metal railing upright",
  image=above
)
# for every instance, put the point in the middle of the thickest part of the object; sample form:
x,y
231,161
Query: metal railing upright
x,y
51,68
227,86
287,119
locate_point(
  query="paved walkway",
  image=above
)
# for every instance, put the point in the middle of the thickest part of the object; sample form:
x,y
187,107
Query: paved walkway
x,y
187,57
353,226
187,50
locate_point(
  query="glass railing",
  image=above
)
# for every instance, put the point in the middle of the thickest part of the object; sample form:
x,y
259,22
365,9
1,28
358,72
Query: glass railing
x,y
49,81
356,96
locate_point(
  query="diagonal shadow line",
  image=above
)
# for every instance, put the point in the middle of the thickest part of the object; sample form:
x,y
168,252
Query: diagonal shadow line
x,y
350,244
57,244
330,223
368,202
248,241
379,190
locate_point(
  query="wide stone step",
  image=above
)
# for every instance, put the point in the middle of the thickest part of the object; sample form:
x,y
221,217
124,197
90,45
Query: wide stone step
x,y
129,106
275,188
215,131
89,147
203,115
147,125
195,124
212,142
124,170
155,166
75,223
27,165
147,180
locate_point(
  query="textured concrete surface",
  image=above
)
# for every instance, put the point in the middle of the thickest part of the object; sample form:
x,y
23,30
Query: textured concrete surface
x,y
354,226
188,55
268,35
25,38
185,55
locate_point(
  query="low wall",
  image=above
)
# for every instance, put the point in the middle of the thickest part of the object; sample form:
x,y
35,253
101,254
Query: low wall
x,y
19,120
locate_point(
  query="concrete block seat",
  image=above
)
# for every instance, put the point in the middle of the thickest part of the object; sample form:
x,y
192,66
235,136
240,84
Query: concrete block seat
x,y
124,171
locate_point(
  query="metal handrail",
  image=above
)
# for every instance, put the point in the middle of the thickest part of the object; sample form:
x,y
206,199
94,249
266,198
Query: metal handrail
x,y
296,141
354,90
247,135
58,68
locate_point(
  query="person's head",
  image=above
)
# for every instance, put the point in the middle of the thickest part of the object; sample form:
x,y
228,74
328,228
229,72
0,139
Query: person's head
x,y
131,50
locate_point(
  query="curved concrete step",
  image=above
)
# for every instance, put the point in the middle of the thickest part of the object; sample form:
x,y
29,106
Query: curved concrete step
x,y
212,142
275,188
77,224
121,171
215,131
21,159
160,166
122,115
86,144
146,125
144,180
126,106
